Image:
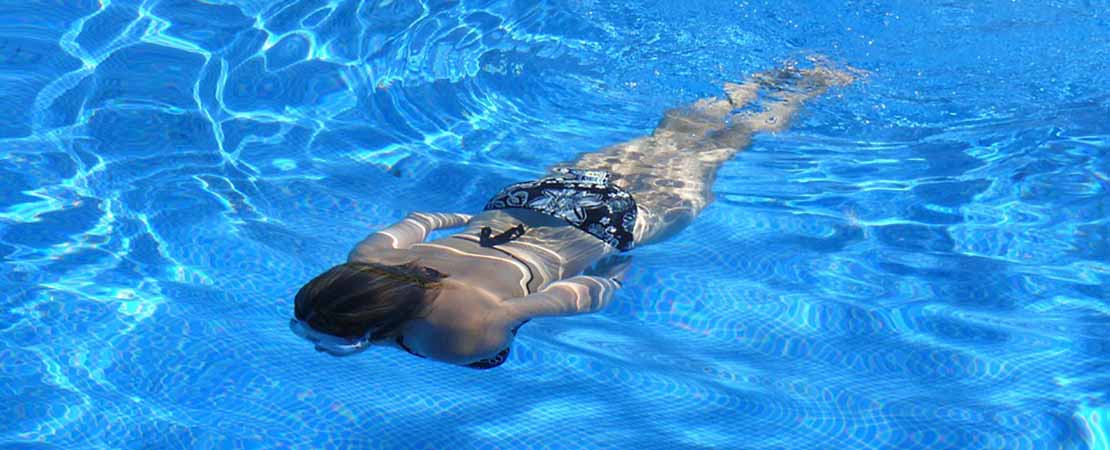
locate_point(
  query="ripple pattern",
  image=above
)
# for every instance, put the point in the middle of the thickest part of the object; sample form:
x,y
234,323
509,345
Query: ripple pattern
x,y
921,261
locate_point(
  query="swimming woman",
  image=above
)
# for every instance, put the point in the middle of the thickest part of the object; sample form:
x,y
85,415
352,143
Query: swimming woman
x,y
462,298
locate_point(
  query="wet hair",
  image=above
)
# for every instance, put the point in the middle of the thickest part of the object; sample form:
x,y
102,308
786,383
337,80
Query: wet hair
x,y
353,298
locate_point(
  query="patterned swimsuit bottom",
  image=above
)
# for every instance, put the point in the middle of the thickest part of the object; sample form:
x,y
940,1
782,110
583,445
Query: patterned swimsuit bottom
x,y
584,198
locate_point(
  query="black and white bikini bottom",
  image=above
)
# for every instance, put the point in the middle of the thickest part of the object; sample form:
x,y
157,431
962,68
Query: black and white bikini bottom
x,y
584,198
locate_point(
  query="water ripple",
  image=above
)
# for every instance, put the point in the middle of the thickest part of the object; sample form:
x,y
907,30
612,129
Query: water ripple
x,y
920,262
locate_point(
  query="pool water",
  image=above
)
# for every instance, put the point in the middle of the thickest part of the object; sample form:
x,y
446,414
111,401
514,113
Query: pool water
x,y
920,261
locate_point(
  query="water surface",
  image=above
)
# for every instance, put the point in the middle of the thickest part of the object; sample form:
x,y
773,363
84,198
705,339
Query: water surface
x,y
921,261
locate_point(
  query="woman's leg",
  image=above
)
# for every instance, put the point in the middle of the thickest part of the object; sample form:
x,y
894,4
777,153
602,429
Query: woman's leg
x,y
671,172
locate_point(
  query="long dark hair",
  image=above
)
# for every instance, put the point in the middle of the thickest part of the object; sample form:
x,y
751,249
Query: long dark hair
x,y
353,298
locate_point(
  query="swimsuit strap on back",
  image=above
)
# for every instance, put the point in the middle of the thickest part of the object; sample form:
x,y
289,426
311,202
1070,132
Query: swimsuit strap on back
x,y
506,236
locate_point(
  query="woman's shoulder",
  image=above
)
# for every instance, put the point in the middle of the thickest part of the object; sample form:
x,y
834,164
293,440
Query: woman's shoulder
x,y
463,328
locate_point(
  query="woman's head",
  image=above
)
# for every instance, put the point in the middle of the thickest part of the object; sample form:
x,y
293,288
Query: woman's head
x,y
354,298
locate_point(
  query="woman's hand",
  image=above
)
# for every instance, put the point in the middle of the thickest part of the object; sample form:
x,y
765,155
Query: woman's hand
x,y
587,293
440,220
612,267
412,229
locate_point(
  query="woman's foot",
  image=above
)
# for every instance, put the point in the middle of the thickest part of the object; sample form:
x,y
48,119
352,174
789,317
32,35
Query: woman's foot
x,y
779,93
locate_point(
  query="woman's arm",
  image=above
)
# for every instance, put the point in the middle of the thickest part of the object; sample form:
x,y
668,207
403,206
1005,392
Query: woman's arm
x,y
412,229
576,295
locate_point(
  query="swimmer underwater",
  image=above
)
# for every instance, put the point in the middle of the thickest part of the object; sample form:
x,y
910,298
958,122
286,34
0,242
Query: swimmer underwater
x,y
461,299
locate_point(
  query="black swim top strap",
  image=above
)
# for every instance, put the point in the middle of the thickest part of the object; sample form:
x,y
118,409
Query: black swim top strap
x,y
485,240
400,342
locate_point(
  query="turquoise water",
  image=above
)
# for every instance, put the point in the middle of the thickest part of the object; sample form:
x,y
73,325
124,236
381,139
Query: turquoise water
x,y
921,261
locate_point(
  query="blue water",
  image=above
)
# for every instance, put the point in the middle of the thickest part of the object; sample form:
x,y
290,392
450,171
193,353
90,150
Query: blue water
x,y
920,261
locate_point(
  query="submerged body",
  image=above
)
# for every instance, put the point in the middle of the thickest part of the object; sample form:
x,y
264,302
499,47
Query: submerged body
x,y
493,289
